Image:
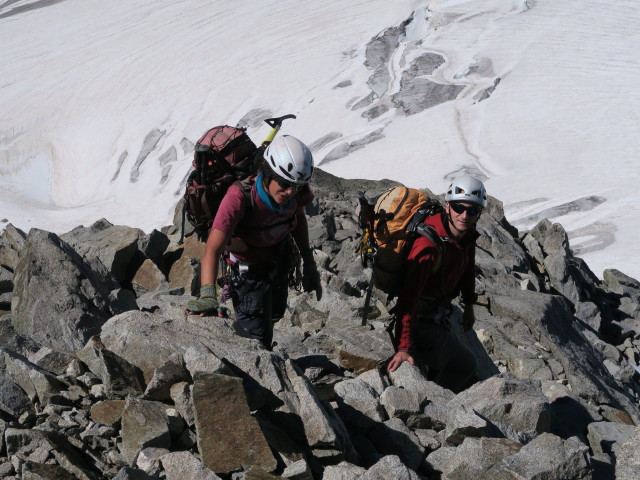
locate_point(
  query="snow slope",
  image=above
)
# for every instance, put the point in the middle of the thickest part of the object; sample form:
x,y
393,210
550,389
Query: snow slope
x,y
102,101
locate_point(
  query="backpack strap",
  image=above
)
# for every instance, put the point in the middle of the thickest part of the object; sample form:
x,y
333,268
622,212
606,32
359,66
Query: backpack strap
x,y
415,227
245,187
429,232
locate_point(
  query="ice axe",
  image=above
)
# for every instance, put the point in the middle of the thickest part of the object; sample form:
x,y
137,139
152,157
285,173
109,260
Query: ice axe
x,y
275,123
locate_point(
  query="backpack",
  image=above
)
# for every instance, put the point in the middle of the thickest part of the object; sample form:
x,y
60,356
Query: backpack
x,y
222,156
391,222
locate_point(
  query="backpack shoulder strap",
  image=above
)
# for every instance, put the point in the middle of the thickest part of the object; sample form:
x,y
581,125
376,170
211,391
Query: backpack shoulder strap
x,y
429,232
417,227
245,187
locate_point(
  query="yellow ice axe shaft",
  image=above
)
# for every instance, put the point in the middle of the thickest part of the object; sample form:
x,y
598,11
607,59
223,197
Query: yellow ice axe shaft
x,y
275,124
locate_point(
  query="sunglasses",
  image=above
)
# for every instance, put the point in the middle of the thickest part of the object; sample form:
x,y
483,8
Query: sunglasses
x,y
459,208
288,185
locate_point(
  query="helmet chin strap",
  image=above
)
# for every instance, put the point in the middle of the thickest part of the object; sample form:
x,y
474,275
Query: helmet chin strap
x,y
451,226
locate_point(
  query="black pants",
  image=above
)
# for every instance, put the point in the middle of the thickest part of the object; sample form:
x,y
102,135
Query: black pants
x,y
259,298
441,356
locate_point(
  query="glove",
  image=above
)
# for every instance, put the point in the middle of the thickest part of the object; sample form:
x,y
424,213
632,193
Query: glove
x,y
311,277
206,303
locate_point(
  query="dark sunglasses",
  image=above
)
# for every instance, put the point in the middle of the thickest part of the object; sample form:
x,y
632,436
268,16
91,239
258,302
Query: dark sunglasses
x,y
472,211
288,185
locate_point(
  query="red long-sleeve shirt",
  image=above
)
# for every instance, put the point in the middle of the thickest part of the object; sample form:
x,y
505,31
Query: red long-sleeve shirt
x,y
456,274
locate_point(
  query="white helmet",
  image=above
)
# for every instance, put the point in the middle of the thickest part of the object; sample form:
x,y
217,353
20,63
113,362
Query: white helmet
x,y
290,159
467,189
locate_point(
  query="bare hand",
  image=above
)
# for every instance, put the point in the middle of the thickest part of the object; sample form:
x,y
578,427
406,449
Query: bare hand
x,y
397,360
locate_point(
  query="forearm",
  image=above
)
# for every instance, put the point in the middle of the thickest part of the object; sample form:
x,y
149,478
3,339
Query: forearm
x,y
416,274
468,282
301,234
208,269
403,333
216,243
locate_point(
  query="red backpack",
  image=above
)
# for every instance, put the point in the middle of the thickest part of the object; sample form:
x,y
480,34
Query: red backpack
x,y
222,156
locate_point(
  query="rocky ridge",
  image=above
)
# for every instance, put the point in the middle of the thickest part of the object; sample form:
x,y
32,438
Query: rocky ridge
x,y
104,376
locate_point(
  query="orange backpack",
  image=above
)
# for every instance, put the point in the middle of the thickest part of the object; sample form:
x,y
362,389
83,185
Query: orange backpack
x,y
390,223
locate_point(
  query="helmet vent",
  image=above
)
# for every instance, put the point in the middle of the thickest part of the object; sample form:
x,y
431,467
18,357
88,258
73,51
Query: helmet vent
x,y
287,174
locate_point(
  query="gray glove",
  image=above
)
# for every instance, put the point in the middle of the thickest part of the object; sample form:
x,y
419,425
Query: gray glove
x,y
310,276
206,303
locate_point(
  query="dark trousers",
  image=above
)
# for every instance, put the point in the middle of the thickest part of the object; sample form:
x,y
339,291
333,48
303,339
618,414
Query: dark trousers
x,y
441,356
259,298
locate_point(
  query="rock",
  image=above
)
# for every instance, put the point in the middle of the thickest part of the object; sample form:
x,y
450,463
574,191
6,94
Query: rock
x,y
128,473
475,458
628,459
21,442
12,240
408,376
393,437
617,282
225,427
400,402
147,339
38,384
148,460
551,457
263,375
77,293
551,317
288,443
505,400
6,280
13,400
498,242
53,361
148,278
390,466
298,471
323,429
115,246
359,404
555,348
120,377
185,466
605,437
464,422
165,376
144,424
343,471
108,412
185,274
